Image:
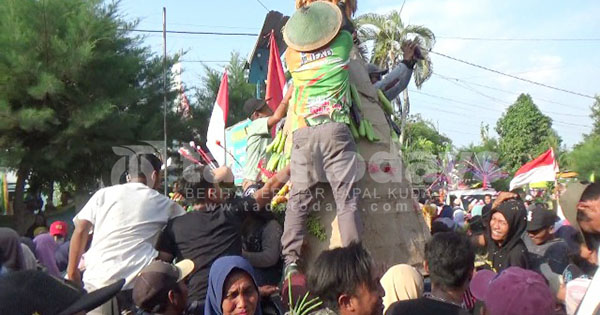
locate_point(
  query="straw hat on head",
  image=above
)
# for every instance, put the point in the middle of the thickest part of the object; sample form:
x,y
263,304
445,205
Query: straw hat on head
x,y
313,26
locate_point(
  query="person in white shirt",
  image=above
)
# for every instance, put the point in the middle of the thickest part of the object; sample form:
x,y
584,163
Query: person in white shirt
x,y
124,220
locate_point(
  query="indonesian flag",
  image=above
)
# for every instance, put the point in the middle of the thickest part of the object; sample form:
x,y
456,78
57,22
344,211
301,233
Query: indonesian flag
x,y
275,76
543,168
215,136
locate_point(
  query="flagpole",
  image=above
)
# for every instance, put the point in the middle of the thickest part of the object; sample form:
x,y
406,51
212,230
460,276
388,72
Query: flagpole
x,y
166,179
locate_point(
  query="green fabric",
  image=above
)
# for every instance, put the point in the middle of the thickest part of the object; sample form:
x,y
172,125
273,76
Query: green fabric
x,y
258,139
321,83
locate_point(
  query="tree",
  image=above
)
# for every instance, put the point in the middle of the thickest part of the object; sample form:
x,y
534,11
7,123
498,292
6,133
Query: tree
x,y
74,84
387,33
584,157
239,90
596,116
421,135
524,133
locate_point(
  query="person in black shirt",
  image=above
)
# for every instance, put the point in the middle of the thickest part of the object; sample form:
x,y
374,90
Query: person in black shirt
x,y
212,229
449,259
502,238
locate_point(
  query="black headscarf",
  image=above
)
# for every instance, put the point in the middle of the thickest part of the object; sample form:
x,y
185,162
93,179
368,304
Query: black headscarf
x,y
11,254
512,248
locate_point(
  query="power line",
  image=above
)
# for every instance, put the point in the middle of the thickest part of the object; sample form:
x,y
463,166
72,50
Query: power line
x,y
509,92
512,76
451,80
218,26
521,39
263,5
205,61
193,33
560,122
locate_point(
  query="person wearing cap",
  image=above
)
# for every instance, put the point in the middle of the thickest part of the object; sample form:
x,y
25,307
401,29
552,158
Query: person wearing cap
x,y
581,206
59,230
213,228
259,133
449,260
160,287
124,219
513,291
502,238
35,292
397,80
541,244
323,147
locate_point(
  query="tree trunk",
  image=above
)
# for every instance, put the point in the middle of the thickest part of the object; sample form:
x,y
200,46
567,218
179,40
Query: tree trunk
x,y
18,204
405,109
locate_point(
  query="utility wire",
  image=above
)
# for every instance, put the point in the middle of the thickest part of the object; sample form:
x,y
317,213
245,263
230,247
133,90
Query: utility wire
x,y
508,92
560,122
522,39
499,101
263,5
512,76
193,33
204,61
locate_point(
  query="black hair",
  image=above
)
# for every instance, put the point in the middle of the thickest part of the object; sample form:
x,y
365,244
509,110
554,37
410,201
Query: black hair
x,y
160,300
591,192
142,165
340,271
451,259
439,227
197,180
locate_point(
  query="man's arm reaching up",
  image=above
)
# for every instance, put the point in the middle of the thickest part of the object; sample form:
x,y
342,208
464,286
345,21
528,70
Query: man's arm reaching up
x,y
264,195
281,110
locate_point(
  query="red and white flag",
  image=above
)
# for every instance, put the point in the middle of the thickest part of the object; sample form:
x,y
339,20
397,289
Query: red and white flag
x,y
215,136
275,76
543,168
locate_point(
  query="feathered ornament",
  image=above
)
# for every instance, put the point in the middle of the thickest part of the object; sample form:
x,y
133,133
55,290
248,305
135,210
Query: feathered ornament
x,y
485,169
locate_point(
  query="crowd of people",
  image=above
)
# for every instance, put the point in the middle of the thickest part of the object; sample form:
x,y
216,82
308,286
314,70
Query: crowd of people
x,y
136,251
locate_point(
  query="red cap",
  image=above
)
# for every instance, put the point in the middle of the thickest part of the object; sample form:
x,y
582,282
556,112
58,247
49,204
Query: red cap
x,y
59,228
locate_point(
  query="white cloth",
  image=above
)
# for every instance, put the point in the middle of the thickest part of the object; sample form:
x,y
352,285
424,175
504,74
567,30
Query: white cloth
x,y
590,305
126,218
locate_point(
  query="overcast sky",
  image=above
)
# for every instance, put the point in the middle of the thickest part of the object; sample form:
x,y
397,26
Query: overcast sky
x,y
459,97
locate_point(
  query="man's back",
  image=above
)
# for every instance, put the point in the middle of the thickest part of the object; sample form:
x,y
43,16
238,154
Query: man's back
x,y
425,306
126,218
203,236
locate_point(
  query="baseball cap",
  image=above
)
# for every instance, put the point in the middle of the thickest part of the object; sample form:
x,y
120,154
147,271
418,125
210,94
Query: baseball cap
x,y
374,69
59,228
154,281
252,105
539,217
513,291
36,292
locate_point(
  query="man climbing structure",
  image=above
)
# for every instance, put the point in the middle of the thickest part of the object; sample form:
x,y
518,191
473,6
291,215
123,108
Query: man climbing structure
x,y
323,148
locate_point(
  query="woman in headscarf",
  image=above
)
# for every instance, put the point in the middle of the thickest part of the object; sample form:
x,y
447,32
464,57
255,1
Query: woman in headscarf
x,y
232,288
11,253
401,282
502,238
45,248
